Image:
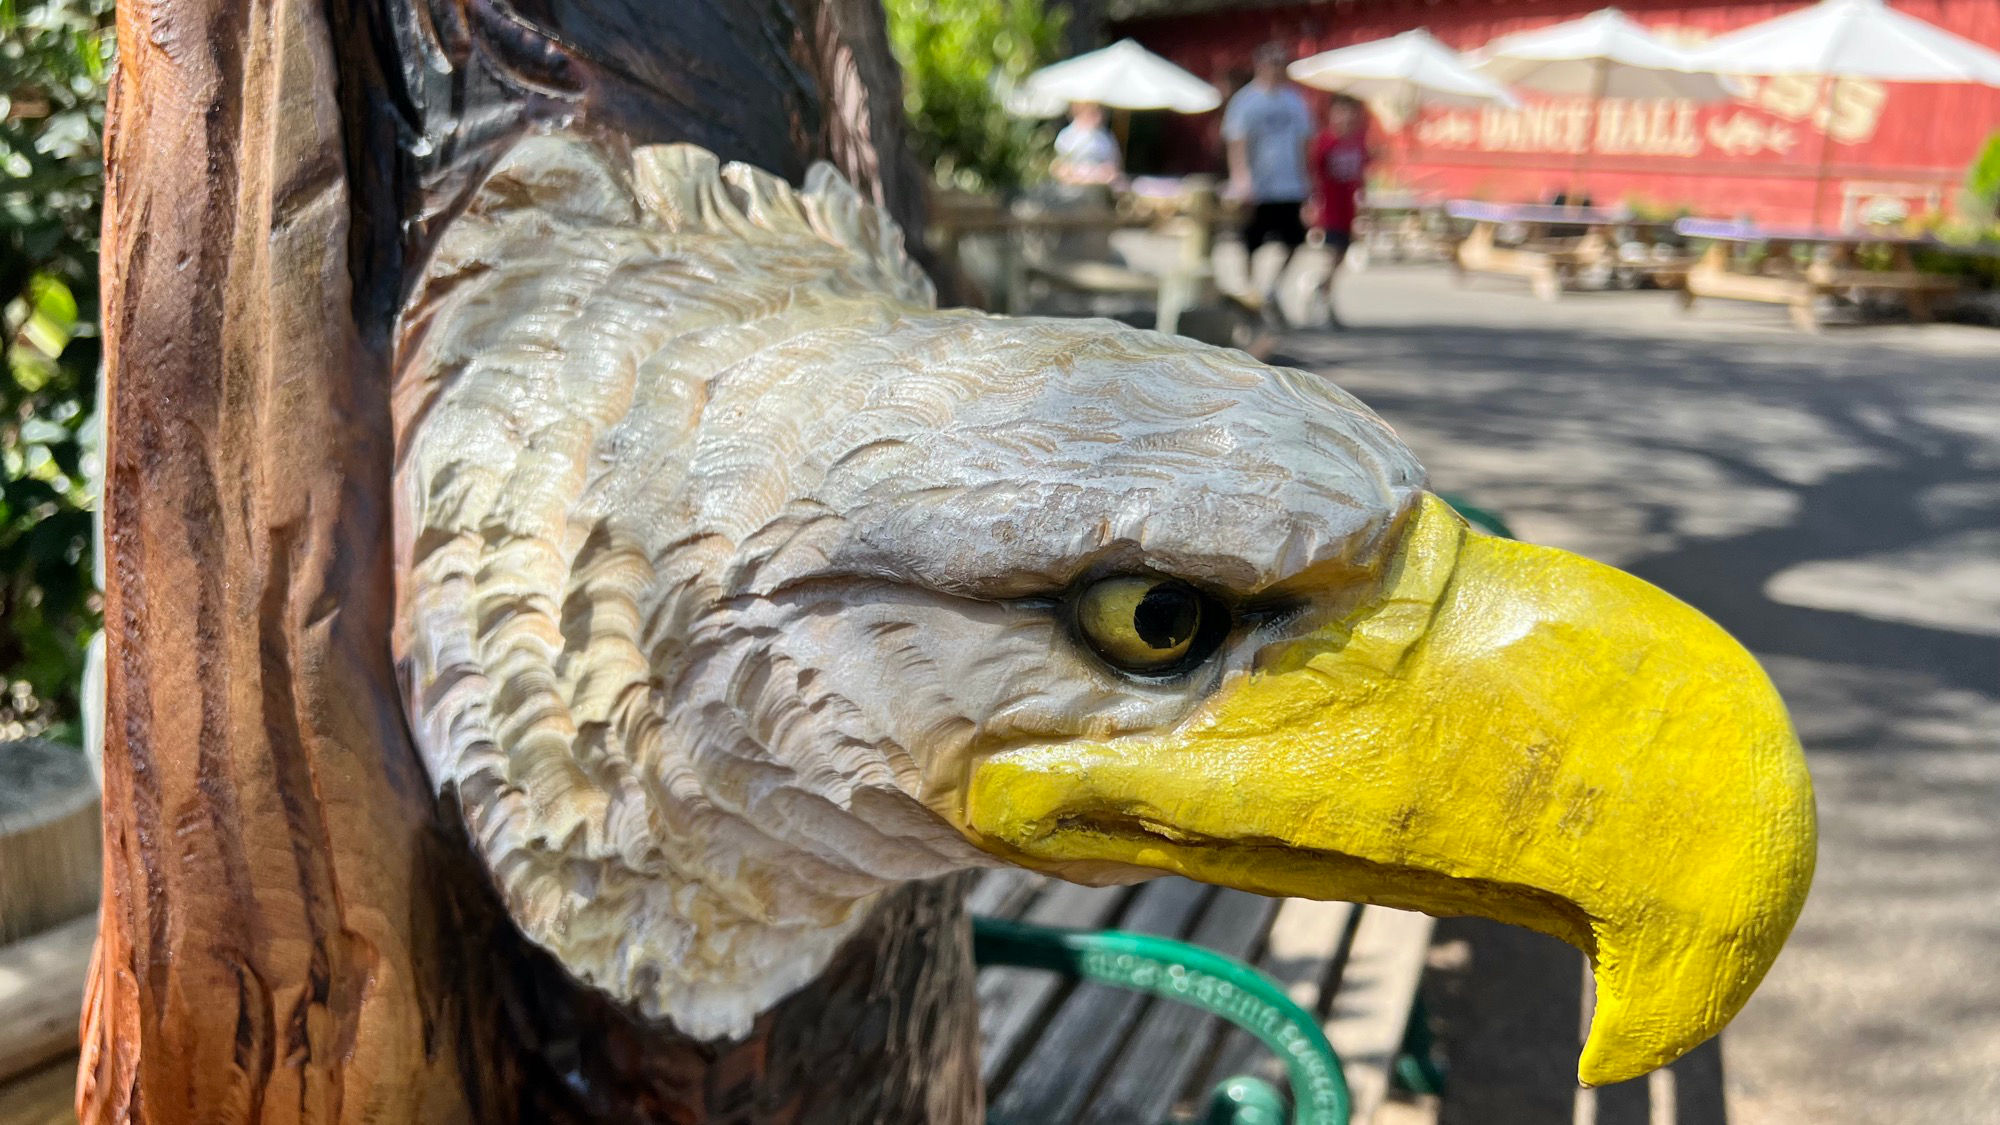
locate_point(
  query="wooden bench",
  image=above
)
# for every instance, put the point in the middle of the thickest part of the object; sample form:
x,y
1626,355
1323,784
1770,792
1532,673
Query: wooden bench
x,y
1055,1050
41,992
1726,270
49,862
1058,1051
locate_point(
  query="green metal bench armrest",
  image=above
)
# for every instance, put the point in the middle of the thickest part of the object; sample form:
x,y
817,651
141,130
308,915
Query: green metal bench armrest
x,y
1485,519
1199,977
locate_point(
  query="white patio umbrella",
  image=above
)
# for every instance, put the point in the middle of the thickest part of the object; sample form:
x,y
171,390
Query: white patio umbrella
x,y
1407,71
1852,39
1400,75
1841,40
1121,76
1602,55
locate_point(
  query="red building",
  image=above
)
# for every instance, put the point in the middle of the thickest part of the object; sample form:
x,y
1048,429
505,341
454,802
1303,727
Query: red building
x,y
1755,156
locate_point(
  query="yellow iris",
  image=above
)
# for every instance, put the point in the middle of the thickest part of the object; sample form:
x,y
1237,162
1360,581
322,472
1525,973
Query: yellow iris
x,y
1140,624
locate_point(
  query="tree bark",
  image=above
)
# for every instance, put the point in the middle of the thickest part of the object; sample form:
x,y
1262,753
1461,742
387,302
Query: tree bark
x,y
292,929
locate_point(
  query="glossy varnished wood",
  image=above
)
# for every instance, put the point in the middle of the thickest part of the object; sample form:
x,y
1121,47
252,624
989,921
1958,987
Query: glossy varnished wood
x,y
292,930
269,947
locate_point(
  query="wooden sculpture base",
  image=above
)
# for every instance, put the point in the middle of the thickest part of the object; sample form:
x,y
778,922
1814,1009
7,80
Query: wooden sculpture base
x,y
291,932
890,1033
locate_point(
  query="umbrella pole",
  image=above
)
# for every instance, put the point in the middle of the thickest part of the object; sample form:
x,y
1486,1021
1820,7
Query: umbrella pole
x,y
1411,147
1597,86
1825,152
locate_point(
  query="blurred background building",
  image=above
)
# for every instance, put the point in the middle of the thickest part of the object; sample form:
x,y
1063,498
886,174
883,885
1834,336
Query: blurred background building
x,y
1889,148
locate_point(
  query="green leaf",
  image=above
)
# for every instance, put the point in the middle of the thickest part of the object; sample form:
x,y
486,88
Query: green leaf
x,y
32,370
54,59
1983,178
955,55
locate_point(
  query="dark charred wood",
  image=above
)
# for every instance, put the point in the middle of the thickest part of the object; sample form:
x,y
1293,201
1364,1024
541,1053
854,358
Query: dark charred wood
x,y
434,89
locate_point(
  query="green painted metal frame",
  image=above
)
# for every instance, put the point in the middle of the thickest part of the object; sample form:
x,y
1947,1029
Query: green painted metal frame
x,y
1485,519
1204,979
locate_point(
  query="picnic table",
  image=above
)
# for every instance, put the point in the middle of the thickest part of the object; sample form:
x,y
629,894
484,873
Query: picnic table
x,y
1750,262
1399,226
1557,245
1055,1052
1047,246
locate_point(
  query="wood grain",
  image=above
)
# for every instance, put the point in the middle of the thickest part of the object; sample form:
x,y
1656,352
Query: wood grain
x,y
1061,1070
1013,1002
292,930
1151,1069
269,894
1378,985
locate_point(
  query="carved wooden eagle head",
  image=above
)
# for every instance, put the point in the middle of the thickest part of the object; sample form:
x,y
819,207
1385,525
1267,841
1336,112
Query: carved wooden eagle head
x,y
740,584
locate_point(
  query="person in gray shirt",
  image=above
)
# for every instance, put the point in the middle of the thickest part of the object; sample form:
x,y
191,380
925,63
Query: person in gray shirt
x,y
1268,131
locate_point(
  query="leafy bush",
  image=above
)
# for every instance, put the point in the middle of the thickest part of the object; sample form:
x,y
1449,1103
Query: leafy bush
x,y
55,58
1982,180
957,56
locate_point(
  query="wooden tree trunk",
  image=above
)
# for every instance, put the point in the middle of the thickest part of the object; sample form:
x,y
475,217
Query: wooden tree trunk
x,y
292,930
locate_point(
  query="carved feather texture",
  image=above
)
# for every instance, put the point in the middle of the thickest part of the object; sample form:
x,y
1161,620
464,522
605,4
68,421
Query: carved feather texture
x,y
724,553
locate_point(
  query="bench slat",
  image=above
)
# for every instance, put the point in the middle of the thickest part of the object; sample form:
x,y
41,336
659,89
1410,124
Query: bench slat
x,y
1012,1001
1062,1066
1059,1052
1307,943
41,995
1171,1039
1004,892
43,1097
1372,1004
1095,277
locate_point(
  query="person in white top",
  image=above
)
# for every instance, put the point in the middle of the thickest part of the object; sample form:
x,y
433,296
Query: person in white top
x,y
1086,152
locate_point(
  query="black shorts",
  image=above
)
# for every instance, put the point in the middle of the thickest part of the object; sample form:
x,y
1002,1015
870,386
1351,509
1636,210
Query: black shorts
x,y
1274,222
1338,242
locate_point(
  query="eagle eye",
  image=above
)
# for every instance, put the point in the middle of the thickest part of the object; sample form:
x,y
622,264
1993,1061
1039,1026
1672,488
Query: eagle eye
x,y
1149,626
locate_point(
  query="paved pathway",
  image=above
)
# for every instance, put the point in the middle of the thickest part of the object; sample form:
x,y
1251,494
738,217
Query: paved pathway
x,y
1835,502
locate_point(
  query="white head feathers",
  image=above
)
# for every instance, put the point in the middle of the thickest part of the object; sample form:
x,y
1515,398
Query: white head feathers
x,y
722,551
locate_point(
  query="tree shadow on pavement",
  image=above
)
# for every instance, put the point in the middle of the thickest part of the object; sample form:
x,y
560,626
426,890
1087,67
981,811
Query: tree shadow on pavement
x,y
1662,436
1508,1002
1711,467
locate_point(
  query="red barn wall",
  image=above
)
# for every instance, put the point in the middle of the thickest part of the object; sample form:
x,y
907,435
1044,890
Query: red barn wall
x,y
1757,156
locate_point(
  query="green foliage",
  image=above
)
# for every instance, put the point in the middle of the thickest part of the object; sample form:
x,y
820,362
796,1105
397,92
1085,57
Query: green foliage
x,y
55,59
957,56
1982,180
1648,209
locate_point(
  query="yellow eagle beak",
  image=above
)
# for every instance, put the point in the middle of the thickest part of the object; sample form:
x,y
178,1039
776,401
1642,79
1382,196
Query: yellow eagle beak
x,y
1508,731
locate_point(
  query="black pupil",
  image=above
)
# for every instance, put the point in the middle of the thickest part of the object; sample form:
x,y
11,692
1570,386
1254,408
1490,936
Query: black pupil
x,y
1166,617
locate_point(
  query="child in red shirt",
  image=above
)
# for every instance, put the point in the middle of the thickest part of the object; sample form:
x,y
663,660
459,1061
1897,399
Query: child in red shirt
x,y
1340,156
